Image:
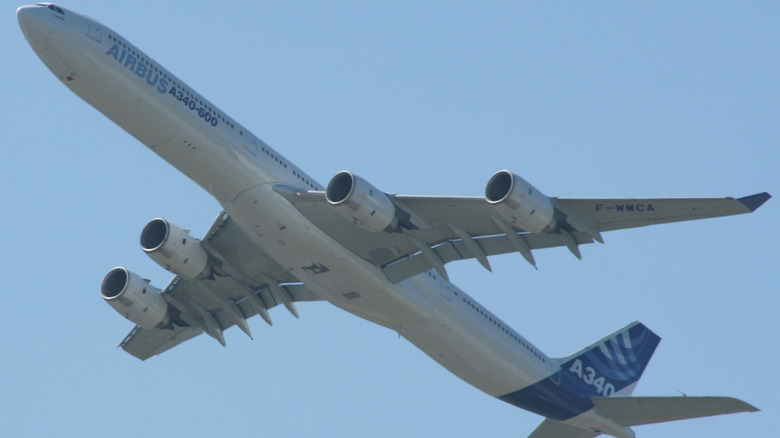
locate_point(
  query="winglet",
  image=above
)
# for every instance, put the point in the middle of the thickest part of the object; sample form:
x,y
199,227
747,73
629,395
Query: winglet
x,y
755,201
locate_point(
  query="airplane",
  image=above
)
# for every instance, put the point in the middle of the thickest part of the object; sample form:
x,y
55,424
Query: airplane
x,y
282,238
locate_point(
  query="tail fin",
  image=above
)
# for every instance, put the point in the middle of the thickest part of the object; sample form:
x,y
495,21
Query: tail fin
x,y
611,366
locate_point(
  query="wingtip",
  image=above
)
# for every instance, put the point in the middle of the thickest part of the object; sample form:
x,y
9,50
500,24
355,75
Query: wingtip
x,y
738,405
753,202
750,408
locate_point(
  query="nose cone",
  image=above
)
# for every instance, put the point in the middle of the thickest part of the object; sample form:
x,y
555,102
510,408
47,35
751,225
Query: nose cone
x,y
26,14
30,18
22,15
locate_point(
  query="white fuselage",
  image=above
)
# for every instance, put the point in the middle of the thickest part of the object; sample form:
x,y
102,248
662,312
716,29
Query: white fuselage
x,y
239,170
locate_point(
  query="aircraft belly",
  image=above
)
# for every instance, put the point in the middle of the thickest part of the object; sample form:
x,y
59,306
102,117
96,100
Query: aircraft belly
x,y
327,268
481,367
471,350
439,327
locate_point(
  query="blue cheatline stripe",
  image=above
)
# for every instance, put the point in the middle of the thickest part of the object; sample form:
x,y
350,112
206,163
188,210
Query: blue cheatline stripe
x,y
607,367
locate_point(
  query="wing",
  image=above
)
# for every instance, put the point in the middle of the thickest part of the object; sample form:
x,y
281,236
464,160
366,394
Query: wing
x,y
618,214
246,282
438,230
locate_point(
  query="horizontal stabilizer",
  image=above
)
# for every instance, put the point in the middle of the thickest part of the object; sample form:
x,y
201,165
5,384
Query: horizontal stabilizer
x,y
555,429
635,411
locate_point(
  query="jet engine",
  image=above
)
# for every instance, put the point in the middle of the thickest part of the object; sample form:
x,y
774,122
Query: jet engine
x,y
134,298
175,250
361,203
520,203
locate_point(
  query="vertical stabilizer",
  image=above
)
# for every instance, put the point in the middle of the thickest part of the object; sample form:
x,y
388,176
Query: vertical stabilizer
x,y
588,396
611,366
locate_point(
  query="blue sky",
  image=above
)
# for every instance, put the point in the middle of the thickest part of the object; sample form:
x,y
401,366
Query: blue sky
x,y
583,99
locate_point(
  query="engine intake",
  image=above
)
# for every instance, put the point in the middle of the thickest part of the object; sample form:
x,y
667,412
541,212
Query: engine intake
x,y
134,298
361,203
517,201
175,250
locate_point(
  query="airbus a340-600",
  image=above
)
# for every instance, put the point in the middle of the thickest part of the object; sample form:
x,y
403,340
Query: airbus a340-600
x,y
283,238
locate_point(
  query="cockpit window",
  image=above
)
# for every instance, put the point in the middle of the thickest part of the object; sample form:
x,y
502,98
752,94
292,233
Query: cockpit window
x,y
54,8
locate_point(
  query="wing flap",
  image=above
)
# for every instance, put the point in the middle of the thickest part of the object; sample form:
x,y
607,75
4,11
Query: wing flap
x,y
454,250
636,411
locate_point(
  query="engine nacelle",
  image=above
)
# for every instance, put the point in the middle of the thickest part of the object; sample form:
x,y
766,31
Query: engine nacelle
x,y
175,250
361,203
520,203
134,298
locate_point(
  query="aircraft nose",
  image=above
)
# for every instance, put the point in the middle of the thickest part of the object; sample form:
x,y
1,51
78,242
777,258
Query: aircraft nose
x,y
30,18
26,14
26,17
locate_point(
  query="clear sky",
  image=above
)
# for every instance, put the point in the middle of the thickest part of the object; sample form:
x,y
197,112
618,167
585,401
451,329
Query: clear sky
x,y
583,99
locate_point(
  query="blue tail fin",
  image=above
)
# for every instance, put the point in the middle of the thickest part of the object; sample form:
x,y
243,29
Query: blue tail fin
x,y
611,366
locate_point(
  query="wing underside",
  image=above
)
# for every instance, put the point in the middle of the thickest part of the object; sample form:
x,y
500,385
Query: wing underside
x,y
245,282
446,229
